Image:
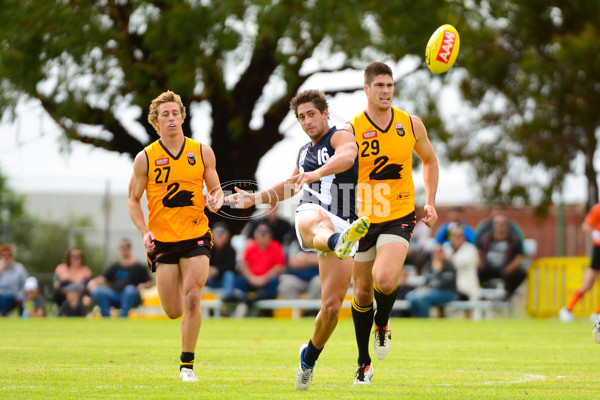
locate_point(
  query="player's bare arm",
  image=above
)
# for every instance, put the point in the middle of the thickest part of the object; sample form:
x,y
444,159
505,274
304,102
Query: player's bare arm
x,y
137,186
424,150
278,192
346,151
214,198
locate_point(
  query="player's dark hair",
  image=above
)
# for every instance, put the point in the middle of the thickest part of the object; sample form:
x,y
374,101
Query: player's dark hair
x,y
374,69
309,96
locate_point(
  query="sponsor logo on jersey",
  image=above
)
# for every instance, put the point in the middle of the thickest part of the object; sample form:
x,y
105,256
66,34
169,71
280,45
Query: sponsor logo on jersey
x,y
402,196
161,161
191,157
400,129
196,221
200,242
446,47
369,135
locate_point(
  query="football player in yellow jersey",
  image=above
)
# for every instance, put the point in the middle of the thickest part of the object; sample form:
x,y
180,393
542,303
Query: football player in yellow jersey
x,y
386,137
172,171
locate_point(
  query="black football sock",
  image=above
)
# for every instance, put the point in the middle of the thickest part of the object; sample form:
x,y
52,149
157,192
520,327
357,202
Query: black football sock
x,y
385,302
187,360
311,354
363,321
332,241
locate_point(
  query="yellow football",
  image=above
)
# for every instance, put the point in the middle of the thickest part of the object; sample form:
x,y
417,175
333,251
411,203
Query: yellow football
x,y
442,49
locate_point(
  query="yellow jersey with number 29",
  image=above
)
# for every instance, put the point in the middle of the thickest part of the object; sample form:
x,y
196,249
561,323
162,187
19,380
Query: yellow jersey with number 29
x,y
385,188
175,192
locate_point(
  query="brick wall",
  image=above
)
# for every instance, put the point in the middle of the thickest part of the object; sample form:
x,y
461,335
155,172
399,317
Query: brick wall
x,y
544,230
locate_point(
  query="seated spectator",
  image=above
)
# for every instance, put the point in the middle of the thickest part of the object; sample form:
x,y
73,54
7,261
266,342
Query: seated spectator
x,y
221,272
73,304
281,230
262,263
73,270
12,280
439,287
501,256
465,258
34,305
455,219
418,250
301,275
125,279
404,287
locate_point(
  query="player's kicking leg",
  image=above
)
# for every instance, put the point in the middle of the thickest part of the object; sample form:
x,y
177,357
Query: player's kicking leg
x,y
350,236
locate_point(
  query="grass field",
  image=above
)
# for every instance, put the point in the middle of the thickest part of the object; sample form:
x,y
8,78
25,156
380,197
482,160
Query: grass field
x,y
257,359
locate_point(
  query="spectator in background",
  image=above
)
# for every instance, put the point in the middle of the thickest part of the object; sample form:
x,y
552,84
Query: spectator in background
x,y
120,285
34,305
404,287
455,218
73,305
12,280
501,256
223,259
439,287
465,258
262,263
591,226
281,230
419,246
73,270
301,275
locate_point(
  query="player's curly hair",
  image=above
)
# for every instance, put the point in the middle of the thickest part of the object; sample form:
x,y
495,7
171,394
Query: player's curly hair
x,y
374,69
165,97
309,96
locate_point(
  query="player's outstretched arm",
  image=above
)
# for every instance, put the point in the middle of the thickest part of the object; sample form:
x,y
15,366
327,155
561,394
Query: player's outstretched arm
x,y
424,150
214,198
137,185
278,192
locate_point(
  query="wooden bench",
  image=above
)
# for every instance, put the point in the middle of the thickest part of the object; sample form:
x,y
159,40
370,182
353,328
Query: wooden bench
x,y
480,308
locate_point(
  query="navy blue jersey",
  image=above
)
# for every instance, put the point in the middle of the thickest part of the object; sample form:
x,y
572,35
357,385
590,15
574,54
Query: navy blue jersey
x,y
335,193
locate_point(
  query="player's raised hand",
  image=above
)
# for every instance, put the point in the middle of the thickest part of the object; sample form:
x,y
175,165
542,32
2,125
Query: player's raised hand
x,y
303,178
241,198
430,217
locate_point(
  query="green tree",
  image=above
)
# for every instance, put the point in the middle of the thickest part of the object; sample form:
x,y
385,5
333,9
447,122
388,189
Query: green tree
x,y
41,245
534,81
85,61
11,209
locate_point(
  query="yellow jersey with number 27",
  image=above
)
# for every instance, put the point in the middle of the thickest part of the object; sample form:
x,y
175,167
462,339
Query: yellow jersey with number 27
x,y
175,192
385,188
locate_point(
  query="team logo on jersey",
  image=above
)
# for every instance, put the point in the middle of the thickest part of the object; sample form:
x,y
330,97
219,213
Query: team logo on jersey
x,y
302,157
369,135
400,129
191,157
384,170
161,161
174,199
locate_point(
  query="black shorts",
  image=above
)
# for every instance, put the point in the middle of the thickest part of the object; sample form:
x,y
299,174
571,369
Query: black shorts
x,y
402,227
171,252
596,258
